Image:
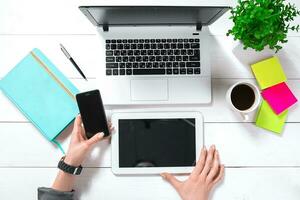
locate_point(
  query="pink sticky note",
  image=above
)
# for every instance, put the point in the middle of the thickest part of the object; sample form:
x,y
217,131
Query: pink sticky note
x,y
279,97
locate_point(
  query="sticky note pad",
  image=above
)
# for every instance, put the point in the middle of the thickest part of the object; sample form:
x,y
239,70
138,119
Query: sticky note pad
x,y
279,97
268,72
268,120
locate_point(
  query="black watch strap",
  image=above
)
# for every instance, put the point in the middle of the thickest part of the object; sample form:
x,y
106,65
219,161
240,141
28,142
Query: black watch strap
x,y
68,168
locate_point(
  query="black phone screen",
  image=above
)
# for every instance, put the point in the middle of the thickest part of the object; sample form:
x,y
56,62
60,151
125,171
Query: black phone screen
x,y
92,113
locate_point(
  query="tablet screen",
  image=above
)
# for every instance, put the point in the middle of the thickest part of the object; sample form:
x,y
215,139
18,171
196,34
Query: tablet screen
x,y
157,142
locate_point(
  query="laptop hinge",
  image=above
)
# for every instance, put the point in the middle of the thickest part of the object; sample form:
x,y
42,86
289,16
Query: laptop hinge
x,y
105,27
199,26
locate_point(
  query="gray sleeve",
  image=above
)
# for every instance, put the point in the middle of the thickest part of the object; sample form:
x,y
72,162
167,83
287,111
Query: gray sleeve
x,y
51,194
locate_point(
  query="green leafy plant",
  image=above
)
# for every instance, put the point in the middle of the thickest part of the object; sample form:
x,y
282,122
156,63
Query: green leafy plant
x,y
260,23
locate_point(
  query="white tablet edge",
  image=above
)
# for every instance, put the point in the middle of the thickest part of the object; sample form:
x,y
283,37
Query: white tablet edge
x,y
153,115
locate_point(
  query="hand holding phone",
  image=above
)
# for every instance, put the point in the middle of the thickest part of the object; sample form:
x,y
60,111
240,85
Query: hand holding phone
x,y
92,113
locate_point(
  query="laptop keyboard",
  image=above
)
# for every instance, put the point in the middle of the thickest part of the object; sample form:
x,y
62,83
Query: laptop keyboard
x,y
152,57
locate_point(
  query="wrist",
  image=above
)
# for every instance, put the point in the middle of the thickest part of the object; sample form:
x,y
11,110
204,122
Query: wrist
x,y
71,161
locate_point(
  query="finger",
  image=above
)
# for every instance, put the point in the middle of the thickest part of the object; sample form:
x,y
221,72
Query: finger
x,y
200,163
172,180
209,160
220,175
77,123
96,138
215,168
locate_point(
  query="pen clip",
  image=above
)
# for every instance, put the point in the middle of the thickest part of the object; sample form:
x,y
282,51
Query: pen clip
x,y
65,51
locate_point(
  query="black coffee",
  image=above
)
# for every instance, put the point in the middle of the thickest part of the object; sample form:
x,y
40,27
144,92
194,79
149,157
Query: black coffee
x,y
242,97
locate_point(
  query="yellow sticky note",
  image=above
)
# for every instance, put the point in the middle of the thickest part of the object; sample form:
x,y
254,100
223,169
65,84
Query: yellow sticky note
x,y
267,119
268,72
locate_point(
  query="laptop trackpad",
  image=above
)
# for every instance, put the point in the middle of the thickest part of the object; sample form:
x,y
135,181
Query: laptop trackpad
x,y
149,90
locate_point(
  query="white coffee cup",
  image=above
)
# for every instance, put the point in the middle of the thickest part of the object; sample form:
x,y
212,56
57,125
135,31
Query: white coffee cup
x,y
257,98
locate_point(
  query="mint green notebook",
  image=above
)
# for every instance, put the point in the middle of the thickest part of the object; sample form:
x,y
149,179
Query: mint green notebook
x,y
42,93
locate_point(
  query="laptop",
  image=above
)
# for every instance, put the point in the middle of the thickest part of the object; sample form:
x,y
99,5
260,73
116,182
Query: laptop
x,y
155,54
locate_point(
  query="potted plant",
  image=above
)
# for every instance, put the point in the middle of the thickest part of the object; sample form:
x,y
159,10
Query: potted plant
x,y
261,23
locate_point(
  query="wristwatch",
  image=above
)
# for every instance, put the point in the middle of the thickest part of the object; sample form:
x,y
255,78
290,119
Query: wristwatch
x,y
68,168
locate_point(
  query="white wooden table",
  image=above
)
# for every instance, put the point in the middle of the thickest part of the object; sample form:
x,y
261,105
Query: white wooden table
x,y
259,164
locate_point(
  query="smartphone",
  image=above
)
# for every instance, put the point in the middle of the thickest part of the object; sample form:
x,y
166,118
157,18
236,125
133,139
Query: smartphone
x,y
92,113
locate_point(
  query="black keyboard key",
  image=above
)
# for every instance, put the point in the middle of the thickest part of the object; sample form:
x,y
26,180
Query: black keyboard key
x,y
180,40
165,58
171,58
190,71
119,41
140,46
176,52
124,41
111,65
126,46
146,46
107,46
160,46
185,58
135,65
125,59
170,52
158,58
122,65
150,52
131,59
143,52
183,71
130,52
151,58
196,52
169,65
186,45
180,46
123,52
166,46
195,45
173,46
148,72
109,53
108,72
162,65
115,72
117,52
107,41
113,46
157,52
178,58
194,58
169,71
119,59
175,64
138,58
190,52
175,71
110,59
147,40
174,40
191,40
133,46
113,41
182,64
128,71
185,40
155,65
122,71
183,52
157,40
137,52
164,40
148,65
197,40
130,41
197,71
141,41
169,40
152,40
145,58
129,65
142,65
193,64
163,52
153,46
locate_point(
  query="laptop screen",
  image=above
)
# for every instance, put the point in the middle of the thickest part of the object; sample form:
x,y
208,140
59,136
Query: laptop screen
x,y
152,15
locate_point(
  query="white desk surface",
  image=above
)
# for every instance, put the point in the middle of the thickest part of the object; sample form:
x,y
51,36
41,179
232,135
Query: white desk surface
x,y
259,165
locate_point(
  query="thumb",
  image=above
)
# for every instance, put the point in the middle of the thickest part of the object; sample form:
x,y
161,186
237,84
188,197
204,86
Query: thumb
x,y
172,180
96,138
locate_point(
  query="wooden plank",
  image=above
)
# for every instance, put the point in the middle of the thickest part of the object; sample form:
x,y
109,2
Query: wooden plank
x,y
228,59
240,144
239,184
210,112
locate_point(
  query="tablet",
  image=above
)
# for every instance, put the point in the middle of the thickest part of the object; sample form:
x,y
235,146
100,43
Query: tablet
x,y
156,142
